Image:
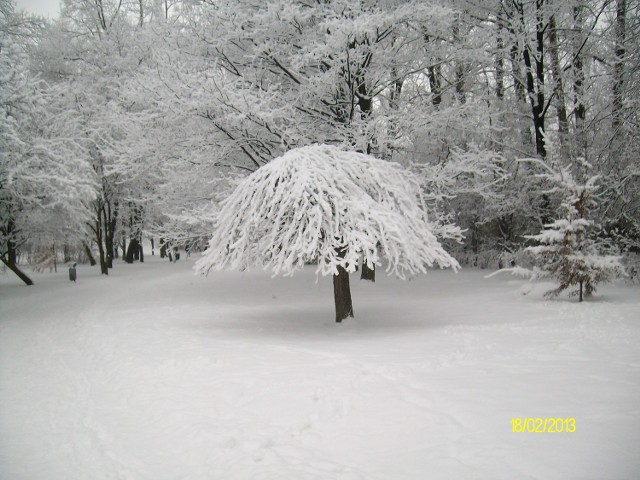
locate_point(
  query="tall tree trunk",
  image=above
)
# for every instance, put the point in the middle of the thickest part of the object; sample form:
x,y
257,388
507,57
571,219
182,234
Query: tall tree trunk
x,y
579,108
342,293
558,90
104,268
535,76
460,67
499,59
519,90
110,224
98,231
618,84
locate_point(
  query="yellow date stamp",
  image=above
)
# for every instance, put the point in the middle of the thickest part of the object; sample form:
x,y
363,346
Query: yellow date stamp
x,y
543,425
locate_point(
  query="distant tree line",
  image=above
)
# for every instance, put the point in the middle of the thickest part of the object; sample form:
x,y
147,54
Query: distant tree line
x,y
124,120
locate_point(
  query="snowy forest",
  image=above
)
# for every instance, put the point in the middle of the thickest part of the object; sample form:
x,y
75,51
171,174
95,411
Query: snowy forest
x,y
131,120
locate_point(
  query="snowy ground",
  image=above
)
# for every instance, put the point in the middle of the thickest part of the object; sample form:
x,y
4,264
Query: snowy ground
x,y
153,373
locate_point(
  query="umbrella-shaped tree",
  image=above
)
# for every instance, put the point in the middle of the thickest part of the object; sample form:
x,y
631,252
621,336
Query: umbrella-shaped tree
x,y
323,204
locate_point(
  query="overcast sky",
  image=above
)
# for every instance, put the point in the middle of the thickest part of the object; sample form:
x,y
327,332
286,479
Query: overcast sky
x,y
46,8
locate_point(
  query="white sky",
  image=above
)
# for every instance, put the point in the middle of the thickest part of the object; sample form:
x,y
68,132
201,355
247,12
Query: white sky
x,y
46,8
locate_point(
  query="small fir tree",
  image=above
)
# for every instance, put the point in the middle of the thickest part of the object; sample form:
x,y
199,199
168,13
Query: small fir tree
x,y
568,251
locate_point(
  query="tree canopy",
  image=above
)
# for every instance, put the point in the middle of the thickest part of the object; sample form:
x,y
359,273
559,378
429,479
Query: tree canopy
x,y
326,204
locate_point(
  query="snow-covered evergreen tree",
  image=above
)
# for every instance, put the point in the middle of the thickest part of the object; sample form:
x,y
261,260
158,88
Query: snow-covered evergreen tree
x,y
320,203
568,251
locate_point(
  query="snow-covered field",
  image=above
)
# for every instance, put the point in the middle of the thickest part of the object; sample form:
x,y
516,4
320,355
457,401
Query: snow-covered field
x,y
154,373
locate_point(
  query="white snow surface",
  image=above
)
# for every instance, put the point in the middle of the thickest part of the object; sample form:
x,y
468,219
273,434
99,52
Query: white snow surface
x,y
154,373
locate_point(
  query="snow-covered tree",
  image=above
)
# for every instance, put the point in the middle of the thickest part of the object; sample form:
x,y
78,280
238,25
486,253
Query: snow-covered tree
x,y
567,252
337,208
44,179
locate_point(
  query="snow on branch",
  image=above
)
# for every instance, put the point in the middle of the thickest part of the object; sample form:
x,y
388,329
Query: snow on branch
x,y
319,203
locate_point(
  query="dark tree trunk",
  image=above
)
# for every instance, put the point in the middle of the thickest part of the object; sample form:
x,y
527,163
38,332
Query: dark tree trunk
x,y
107,243
132,250
580,291
460,68
14,268
618,83
98,232
500,70
153,247
535,75
12,255
111,220
368,273
342,295
558,91
87,252
104,267
342,292
163,248
580,109
140,252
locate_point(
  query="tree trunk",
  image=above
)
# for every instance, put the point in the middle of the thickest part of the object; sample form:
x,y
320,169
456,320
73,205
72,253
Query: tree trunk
x,y
132,250
111,221
97,228
14,268
580,110
342,295
580,290
435,85
535,77
561,106
342,292
368,273
618,84
434,73
460,68
87,252
12,255
500,69
104,267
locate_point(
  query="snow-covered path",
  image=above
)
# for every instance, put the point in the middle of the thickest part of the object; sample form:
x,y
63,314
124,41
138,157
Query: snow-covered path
x,y
153,373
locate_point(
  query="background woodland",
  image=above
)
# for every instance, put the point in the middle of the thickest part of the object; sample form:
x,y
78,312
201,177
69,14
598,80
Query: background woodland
x,y
131,119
